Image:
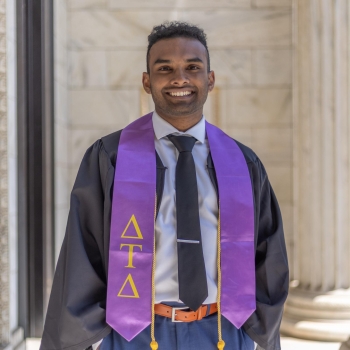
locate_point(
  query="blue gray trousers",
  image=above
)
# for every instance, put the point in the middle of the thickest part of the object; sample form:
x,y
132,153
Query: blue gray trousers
x,y
197,335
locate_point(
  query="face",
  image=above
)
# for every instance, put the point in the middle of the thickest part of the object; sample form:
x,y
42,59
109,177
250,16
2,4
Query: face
x,y
178,77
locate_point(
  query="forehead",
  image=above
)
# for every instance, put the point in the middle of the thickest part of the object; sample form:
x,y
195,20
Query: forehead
x,y
177,48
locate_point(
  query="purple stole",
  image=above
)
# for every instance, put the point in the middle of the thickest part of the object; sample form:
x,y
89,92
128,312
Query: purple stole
x,y
129,292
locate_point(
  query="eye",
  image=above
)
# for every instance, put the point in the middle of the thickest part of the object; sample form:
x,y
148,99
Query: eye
x,y
164,68
193,67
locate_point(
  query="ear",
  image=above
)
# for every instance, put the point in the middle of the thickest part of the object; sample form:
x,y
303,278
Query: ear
x,y
146,82
211,80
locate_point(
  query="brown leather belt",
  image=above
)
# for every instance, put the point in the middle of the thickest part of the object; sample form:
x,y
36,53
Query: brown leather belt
x,y
177,314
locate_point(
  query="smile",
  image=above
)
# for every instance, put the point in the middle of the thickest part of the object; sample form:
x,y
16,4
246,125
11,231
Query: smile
x,y
180,93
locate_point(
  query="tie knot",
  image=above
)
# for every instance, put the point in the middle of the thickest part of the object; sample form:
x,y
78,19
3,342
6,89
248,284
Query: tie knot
x,y
183,143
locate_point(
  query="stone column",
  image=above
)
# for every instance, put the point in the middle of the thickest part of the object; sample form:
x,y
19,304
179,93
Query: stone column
x,y
319,303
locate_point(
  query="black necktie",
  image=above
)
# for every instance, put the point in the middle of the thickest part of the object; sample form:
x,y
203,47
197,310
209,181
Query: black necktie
x,y
193,288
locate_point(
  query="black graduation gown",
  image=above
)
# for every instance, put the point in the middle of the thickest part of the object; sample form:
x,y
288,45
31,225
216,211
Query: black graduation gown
x,y
76,313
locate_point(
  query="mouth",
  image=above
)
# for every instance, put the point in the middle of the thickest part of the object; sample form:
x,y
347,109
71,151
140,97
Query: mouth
x,y
183,93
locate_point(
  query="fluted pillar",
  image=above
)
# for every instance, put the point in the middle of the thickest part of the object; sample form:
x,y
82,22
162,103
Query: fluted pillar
x,y
319,303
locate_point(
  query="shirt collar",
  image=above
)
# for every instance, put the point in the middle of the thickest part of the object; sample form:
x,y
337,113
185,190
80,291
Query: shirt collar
x,y
162,128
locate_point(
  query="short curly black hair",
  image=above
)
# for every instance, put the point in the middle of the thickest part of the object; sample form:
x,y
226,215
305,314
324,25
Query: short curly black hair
x,y
176,29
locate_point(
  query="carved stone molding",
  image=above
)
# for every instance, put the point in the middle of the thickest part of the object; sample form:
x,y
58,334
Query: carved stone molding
x,y
318,315
4,256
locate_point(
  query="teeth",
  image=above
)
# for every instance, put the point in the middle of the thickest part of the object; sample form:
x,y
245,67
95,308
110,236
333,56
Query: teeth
x,y
184,93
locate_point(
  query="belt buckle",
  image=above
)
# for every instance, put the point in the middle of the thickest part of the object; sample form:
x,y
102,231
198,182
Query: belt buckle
x,y
173,314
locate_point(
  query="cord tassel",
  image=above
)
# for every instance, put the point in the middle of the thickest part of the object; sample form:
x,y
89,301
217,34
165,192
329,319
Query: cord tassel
x,y
153,344
221,343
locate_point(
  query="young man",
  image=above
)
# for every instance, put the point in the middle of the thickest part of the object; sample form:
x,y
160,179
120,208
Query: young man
x,y
174,238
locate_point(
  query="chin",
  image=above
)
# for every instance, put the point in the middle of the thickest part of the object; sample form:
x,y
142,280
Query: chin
x,y
179,112
182,110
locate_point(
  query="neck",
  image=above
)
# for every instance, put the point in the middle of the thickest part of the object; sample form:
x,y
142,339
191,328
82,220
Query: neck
x,y
182,123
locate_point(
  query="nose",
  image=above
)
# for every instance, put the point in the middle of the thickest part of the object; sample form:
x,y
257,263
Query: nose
x,y
180,77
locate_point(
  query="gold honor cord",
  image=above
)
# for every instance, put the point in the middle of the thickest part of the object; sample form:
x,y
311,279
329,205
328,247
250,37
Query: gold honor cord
x,y
154,344
221,343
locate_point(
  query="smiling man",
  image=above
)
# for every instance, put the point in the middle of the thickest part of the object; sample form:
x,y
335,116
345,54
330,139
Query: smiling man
x,y
174,237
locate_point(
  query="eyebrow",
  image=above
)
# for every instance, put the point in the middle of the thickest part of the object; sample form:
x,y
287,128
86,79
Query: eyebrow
x,y
194,59
161,60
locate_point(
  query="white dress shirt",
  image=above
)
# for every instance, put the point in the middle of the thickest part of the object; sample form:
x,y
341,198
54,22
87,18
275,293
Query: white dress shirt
x,y
166,274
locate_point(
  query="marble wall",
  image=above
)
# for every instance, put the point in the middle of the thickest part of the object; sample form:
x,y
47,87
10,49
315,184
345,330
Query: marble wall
x,y
250,43
8,176
5,192
61,124
12,159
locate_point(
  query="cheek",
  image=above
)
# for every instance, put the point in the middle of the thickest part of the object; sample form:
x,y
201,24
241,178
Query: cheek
x,y
160,80
155,85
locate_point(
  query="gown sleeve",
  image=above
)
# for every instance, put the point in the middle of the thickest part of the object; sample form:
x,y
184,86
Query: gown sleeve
x,y
271,264
76,312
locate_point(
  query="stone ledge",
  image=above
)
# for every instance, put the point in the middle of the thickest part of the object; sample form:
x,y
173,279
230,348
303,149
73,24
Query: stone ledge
x,y
317,316
300,344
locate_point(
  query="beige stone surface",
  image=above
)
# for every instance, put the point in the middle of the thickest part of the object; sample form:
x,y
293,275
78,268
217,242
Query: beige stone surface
x,y
259,107
222,111
209,109
86,4
177,4
60,22
61,104
111,29
231,67
60,42
60,64
243,135
280,176
227,28
125,67
62,184
61,144
104,108
61,127
300,344
62,188
87,69
273,144
275,3
224,27
272,67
